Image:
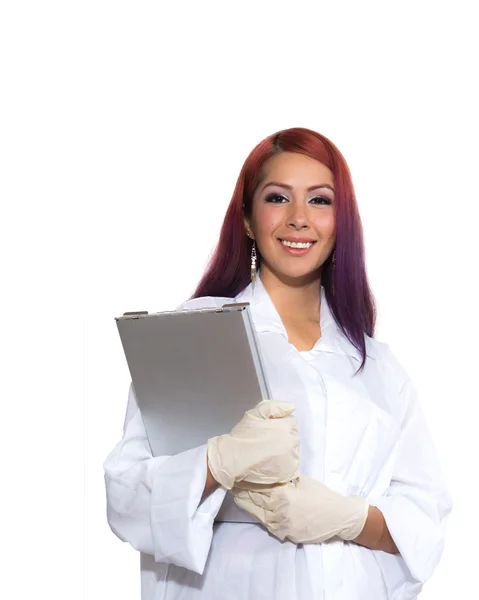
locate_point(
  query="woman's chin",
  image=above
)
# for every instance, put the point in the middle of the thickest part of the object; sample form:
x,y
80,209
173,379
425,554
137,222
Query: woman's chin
x,y
296,275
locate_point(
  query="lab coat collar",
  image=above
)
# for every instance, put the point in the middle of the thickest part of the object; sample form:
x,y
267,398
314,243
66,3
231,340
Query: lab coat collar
x,y
266,319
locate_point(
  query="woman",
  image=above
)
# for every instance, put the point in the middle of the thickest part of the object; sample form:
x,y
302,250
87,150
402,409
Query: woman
x,y
364,515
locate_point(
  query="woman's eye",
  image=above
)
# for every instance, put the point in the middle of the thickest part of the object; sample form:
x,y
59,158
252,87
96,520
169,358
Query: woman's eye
x,y
321,200
275,198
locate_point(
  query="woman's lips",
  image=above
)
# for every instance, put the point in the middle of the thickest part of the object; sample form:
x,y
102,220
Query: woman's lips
x,y
296,251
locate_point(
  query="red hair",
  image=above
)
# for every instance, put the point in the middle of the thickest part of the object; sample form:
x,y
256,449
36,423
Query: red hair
x,y
228,271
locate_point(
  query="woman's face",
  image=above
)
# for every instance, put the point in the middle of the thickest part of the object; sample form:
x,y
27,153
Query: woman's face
x,y
293,202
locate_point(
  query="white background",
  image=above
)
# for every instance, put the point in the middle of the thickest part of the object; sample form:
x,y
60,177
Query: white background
x,y
124,126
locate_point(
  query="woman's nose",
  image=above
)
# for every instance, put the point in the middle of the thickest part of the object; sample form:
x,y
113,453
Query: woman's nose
x,y
298,216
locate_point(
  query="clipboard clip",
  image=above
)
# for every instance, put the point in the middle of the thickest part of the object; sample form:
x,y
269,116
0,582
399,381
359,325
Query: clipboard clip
x,y
239,305
136,314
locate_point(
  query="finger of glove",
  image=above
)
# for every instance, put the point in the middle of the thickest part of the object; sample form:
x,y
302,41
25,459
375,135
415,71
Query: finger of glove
x,y
267,517
273,460
241,493
272,409
253,427
241,486
258,456
255,511
276,530
274,473
276,461
270,499
274,499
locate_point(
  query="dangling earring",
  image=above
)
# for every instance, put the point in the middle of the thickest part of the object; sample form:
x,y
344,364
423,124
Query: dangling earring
x,y
333,271
254,258
253,264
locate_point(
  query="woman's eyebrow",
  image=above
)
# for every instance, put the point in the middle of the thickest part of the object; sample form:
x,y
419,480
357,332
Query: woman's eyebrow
x,y
290,187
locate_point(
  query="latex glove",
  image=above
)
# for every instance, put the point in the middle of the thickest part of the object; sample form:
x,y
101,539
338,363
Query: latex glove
x,y
305,511
262,448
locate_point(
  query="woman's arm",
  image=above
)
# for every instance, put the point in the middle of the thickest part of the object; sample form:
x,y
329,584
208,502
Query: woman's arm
x,y
155,503
375,534
416,505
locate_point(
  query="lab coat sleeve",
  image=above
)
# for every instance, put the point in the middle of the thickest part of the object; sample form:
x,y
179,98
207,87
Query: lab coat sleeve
x,y
416,504
154,503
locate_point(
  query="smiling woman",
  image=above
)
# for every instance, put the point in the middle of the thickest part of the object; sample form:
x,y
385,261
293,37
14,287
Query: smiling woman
x,y
295,186
344,499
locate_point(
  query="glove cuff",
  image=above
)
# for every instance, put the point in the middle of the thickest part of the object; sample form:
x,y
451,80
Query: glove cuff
x,y
353,526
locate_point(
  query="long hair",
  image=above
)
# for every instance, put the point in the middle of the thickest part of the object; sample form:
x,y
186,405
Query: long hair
x,y
228,271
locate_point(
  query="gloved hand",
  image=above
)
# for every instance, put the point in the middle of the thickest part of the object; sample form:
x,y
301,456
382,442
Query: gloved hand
x,y
262,448
305,511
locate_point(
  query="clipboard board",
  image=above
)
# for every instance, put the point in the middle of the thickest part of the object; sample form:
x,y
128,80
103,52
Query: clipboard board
x,y
195,372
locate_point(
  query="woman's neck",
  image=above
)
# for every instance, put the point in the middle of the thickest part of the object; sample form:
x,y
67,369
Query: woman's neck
x,y
294,299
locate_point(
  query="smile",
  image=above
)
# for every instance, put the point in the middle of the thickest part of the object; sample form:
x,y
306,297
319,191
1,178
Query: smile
x,y
297,244
296,248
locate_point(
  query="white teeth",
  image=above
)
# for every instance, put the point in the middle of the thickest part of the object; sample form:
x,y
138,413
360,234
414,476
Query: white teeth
x,y
297,244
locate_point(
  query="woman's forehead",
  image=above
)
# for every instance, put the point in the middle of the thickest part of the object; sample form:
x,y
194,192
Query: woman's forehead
x,y
296,169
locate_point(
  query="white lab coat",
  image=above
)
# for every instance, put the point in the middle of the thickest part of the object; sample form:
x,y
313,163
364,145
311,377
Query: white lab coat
x,y
359,435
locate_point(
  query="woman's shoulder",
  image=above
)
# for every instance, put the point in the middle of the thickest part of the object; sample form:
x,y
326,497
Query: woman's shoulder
x,y
204,302
387,362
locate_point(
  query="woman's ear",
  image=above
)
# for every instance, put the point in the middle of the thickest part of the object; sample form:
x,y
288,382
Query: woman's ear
x,y
247,227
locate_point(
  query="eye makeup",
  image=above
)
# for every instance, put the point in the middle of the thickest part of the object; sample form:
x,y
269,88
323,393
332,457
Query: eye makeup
x,y
276,198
